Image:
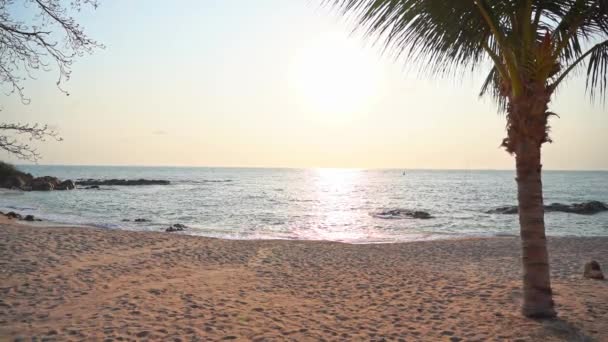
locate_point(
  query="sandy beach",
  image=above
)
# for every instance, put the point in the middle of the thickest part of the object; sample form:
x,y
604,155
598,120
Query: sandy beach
x,y
64,284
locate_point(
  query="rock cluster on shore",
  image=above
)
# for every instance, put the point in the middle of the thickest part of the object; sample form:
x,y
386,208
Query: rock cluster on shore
x,y
14,215
585,208
593,270
178,227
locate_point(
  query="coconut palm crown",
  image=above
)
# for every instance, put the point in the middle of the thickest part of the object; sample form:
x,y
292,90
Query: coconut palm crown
x,y
532,46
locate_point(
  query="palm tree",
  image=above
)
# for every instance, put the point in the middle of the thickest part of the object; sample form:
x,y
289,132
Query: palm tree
x,y
532,47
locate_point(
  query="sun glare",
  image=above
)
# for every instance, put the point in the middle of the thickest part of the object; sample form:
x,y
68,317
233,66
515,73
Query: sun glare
x,y
334,78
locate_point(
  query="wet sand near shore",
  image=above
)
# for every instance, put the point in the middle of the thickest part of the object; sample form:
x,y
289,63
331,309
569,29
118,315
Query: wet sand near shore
x,y
60,283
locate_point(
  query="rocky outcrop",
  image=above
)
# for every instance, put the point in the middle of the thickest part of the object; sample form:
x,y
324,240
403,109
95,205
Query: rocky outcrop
x,y
16,181
401,214
121,182
11,178
593,270
585,208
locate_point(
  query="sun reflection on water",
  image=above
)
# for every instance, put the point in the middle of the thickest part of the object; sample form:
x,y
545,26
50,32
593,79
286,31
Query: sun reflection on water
x,y
339,194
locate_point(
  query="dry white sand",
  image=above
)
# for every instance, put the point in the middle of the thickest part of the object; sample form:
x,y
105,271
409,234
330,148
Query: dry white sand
x,y
94,284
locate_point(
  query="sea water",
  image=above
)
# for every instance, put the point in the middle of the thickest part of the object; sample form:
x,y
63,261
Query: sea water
x,y
310,204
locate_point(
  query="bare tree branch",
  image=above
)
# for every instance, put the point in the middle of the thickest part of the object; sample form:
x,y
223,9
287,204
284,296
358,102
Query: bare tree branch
x,y
34,36
10,143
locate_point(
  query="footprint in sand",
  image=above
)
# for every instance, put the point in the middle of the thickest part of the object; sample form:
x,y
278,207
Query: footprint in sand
x,y
263,256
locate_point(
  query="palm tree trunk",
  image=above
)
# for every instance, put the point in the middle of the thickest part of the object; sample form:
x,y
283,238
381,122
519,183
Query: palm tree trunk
x,y
538,301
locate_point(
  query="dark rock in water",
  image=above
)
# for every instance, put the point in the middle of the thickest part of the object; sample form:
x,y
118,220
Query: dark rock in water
x,y
65,185
176,228
593,270
29,218
585,208
141,220
13,215
401,214
126,220
91,187
121,182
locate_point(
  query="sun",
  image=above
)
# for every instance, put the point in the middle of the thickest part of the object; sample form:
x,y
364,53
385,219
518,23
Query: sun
x,y
334,78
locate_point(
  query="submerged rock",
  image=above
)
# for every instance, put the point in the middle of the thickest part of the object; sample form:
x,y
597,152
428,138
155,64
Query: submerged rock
x,y
512,209
585,208
178,227
121,182
593,270
421,215
401,214
141,220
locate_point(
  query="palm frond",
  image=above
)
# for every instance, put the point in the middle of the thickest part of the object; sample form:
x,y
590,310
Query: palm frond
x,y
492,87
442,35
597,71
529,42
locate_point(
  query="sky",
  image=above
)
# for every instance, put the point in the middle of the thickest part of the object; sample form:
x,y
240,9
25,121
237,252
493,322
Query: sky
x,y
275,83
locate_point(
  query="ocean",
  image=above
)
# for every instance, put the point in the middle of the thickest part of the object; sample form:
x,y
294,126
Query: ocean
x,y
310,204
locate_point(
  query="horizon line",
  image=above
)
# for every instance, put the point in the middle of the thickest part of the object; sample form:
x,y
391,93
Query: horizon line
x,y
300,168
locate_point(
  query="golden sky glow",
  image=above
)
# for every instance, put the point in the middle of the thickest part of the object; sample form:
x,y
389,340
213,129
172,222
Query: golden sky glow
x,y
280,84
334,78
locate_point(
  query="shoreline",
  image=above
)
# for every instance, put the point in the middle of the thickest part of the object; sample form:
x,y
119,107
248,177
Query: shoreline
x,y
44,223
75,283
435,236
